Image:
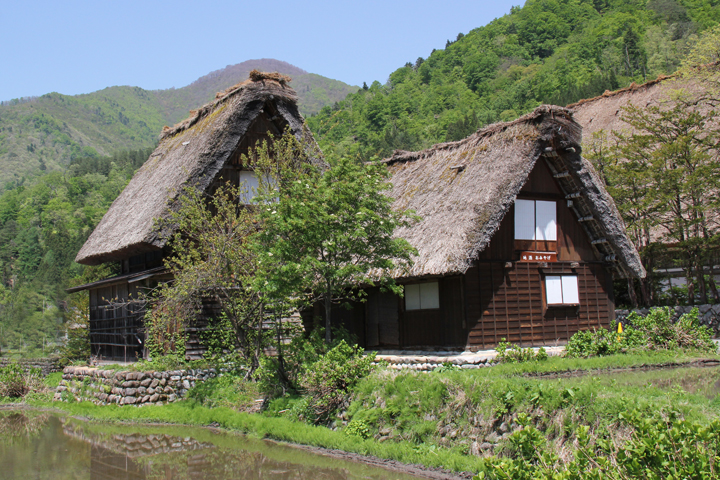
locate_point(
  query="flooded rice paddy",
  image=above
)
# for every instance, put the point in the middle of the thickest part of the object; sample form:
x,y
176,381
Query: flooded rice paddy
x,y
39,445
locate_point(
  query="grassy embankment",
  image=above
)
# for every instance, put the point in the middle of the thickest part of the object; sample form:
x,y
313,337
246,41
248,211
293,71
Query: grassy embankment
x,y
457,418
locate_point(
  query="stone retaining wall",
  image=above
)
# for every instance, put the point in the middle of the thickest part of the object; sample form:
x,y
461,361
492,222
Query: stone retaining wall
x,y
709,315
127,388
46,365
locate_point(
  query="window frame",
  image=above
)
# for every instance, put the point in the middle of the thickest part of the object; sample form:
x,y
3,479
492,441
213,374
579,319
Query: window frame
x,y
535,221
420,285
562,292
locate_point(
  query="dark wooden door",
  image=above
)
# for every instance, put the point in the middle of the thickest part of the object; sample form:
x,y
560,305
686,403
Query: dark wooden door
x,y
382,326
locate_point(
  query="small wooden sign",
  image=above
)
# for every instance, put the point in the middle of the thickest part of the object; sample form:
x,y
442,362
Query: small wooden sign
x,y
538,257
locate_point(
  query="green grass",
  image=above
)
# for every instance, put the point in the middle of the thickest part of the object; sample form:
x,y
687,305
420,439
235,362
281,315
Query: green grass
x,y
433,418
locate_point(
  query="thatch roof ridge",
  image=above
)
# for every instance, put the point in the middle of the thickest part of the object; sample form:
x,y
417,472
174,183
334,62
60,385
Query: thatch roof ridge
x,y
192,154
462,190
222,97
634,87
536,115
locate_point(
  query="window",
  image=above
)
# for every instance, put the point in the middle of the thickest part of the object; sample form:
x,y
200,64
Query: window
x,y
249,183
562,290
422,296
535,220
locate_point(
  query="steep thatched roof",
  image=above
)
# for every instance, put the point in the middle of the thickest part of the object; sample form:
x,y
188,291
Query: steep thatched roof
x,y
462,190
189,154
604,112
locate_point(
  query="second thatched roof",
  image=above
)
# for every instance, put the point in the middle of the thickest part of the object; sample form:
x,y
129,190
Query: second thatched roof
x,y
462,190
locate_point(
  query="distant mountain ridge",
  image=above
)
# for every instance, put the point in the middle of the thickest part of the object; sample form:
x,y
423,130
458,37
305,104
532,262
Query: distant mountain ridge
x,y
45,133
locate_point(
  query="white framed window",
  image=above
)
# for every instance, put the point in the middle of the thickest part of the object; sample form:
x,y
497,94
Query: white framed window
x,y
535,220
562,290
422,296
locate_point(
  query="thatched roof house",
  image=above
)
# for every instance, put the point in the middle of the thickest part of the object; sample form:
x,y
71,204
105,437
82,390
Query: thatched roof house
x,y
518,240
203,151
463,190
192,153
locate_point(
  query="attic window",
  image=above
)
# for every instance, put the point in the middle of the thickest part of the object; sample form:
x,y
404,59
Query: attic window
x,y
422,296
535,220
562,290
250,184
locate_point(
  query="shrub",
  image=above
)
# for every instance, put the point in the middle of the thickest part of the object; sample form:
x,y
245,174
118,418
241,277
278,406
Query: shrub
x,y
656,331
16,382
661,333
328,380
509,353
357,428
304,350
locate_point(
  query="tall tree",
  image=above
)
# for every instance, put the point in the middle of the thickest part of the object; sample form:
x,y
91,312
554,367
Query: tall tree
x,y
324,233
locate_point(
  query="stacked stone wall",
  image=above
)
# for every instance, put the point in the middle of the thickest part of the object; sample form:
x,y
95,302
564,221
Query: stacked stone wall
x,y
106,387
709,315
45,365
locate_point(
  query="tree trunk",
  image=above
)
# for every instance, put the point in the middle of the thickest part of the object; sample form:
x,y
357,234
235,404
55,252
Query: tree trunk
x,y
713,286
631,293
328,309
690,285
701,284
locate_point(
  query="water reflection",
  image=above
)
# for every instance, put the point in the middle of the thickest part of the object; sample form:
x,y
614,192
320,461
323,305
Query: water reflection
x,y
47,446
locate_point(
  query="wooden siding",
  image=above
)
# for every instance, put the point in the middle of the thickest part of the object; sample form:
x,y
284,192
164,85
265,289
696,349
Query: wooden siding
x,y
510,303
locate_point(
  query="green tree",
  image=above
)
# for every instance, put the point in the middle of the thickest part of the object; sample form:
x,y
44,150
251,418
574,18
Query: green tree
x,y
210,260
665,178
325,233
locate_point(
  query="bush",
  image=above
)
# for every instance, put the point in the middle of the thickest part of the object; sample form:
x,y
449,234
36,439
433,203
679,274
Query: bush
x,y
661,333
16,382
656,331
509,353
357,428
328,380
658,448
304,350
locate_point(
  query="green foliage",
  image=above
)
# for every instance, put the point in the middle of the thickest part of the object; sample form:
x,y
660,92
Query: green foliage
x,y
509,353
548,51
43,224
662,333
17,381
325,232
210,259
357,428
660,447
329,380
656,331
77,330
227,390
277,379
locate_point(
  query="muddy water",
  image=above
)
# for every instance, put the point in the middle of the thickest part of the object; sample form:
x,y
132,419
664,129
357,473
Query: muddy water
x,y
35,445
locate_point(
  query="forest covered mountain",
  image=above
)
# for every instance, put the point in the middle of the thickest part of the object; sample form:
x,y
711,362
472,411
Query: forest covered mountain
x,y
549,51
46,133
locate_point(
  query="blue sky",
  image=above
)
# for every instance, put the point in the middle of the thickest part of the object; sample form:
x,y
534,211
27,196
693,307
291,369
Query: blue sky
x,y
76,47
